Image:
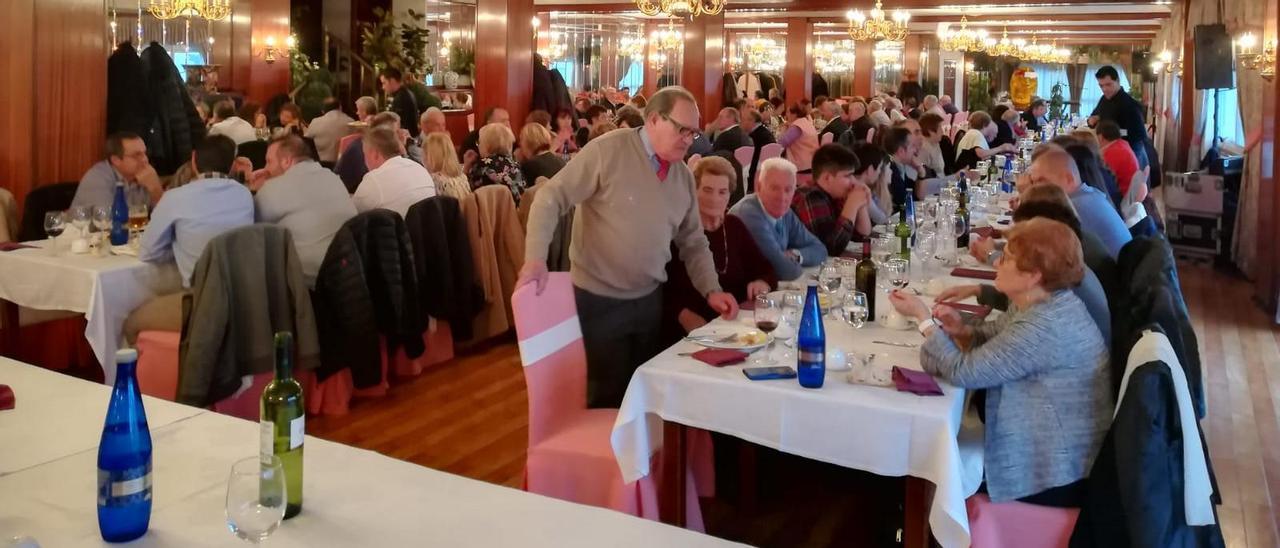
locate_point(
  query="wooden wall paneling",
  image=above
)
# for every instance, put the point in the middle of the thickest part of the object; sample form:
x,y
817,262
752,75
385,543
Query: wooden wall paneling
x,y
1268,282
70,79
504,56
704,62
797,76
911,55
236,54
650,49
16,117
266,80
864,69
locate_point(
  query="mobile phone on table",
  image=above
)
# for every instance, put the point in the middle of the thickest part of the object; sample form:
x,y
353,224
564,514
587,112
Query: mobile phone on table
x,y
769,373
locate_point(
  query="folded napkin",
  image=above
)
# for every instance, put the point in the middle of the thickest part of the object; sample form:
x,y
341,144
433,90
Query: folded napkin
x,y
10,246
978,310
124,250
719,357
915,382
974,273
7,400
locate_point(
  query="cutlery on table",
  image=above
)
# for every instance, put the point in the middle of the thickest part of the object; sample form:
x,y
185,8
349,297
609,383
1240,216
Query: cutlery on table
x,y
898,344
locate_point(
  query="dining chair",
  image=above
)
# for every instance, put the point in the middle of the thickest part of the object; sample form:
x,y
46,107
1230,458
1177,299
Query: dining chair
x,y
344,142
771,150
44,198
744,156
827,138
693,160
961,117
1018,524
871,135
570,456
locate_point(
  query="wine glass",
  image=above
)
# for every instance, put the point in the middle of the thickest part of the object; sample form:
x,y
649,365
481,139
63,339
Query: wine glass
x,y
854,309
102,222
80,217
255,498
55,223
897,272
884,247
829,277
766,314
789,325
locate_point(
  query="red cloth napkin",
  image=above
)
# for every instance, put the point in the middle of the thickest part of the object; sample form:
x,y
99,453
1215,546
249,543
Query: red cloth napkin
x,y
915,382
10,246
984,231
974,273
719,357
7,400
747,305
978,310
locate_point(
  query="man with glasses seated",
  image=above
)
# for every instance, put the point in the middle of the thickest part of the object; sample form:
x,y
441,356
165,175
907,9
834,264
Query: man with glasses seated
x,y
126,162
634,198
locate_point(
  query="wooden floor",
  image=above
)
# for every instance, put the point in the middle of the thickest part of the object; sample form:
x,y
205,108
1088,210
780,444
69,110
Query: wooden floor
x,y
468,417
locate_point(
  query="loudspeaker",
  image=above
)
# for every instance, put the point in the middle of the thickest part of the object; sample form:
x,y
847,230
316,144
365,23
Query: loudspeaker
x,y
1142,64
1213,67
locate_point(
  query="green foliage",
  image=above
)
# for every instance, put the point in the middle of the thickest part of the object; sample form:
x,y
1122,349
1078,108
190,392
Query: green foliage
x,y
402,45
462,60
1057,104
978,95
423,96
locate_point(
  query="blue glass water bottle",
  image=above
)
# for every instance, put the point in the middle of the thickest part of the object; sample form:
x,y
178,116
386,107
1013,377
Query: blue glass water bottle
x,y
1006,181
811,341
124,458
119,217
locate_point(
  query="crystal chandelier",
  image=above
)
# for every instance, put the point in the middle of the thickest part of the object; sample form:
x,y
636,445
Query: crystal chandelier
x,y
680,8
876,27
1036,52
1005,47
668,38
963,40
555,48
213,10
632,45
756,49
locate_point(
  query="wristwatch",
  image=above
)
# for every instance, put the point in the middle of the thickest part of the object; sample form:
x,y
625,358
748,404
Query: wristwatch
x,y
925,325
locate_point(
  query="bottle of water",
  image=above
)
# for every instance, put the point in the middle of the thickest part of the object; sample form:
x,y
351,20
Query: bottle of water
x,y
811,341
124,458
1006,181
119,217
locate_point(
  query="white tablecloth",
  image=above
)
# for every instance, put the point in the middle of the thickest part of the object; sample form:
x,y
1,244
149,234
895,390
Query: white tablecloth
x,y
867,428
104,289
352,497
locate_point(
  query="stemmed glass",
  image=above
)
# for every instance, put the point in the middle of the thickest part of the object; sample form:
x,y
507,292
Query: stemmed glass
x,y
102,222
792,306
255,498
80,218
897,270
54,224
854,309
767,313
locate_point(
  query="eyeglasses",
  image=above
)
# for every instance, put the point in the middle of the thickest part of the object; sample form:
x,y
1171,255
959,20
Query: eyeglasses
x,y
685,131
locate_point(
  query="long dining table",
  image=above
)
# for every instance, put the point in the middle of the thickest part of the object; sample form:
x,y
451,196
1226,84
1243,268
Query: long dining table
x,y
352,497
930,440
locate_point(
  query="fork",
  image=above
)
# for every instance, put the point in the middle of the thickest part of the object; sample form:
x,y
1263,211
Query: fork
x,y
712,338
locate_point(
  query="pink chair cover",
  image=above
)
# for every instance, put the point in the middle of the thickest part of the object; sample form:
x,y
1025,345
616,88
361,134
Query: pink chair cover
x,y
960,117
743,155
871,135
346,141
693,160
771,150
1018,524
827,138
158,364
570,456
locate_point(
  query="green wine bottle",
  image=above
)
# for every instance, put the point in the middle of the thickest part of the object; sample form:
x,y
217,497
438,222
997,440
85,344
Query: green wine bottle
x,y
865,279
962,239
283,422
903,232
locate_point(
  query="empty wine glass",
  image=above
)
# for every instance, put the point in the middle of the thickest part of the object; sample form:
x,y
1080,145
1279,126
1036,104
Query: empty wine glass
x,y
854,309
885,246
829,277
55,223
896,270
767,312
255,498
80,217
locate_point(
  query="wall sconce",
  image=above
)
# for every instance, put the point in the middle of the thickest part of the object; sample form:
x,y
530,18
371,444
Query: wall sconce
x,y
1264,62
1164,62
270,51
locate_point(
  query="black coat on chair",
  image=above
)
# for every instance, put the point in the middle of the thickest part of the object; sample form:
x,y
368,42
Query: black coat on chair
x,y
45,198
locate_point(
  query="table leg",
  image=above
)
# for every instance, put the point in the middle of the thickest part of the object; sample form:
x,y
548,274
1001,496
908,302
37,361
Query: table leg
x,y
9,342
674,482
916,514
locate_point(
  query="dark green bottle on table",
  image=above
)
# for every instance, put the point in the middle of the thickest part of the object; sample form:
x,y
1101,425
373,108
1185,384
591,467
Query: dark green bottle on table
x,y
962,240
865,279
283,422
903,233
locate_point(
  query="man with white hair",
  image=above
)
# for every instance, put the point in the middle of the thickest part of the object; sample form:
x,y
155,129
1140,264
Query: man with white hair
x,y
837,120
634,199
875,111
931,104
947,107
366,107
1054,165
777,231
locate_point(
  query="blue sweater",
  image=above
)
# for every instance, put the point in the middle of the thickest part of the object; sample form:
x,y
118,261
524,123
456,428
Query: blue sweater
x,y
1049,402
1098,216
775,237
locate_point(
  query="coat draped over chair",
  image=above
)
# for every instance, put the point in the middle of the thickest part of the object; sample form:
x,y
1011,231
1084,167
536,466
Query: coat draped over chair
x,y
497,244
444,263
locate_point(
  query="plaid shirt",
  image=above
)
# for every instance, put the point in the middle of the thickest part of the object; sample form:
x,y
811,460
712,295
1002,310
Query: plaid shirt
x,y
820,213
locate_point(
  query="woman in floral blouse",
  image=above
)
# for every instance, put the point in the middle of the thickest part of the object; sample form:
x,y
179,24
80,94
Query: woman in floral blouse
x,y
496,165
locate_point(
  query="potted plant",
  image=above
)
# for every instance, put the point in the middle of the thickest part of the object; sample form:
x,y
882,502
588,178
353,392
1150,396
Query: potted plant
x,y
401,44
462,61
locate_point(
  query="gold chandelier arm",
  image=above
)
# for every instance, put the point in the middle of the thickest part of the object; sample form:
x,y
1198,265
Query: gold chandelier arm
x,y
648,8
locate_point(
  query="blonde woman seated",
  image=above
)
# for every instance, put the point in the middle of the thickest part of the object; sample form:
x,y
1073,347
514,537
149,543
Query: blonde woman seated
x,y
496,165
442,162
1043,364
535,141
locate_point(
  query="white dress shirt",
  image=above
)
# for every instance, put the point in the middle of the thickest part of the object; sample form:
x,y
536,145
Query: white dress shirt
x,y
396,185
237,129
327,130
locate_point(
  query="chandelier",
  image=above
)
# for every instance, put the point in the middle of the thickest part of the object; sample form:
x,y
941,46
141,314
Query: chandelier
x,y
1005,47
757,48
213,10
877,27
555,48
963,40
668,38
888,55
832,58
632,45
680,8
1036,52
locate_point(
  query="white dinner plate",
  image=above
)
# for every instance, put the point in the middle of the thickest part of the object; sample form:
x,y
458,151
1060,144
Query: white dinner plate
x,y
714,338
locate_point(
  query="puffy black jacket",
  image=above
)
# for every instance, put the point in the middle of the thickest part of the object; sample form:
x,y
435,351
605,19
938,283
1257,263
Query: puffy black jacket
x,y
344,314
176,126
1149,292
443,263
128,98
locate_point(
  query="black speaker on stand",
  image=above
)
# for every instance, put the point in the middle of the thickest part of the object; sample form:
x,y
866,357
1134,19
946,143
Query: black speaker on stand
x,y
1213,67
1142,64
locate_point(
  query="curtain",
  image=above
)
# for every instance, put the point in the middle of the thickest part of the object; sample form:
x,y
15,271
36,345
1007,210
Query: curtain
x,y
1049,75
1075,76
1240,15
1091,93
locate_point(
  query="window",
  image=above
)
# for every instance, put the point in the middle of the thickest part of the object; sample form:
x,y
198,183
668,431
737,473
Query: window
x,y
1090,94
1047,76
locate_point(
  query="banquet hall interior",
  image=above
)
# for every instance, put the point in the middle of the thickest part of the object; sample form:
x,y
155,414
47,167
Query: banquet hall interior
x,y
640,273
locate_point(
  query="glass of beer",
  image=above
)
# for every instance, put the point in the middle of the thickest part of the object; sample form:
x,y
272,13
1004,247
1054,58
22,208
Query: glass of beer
x,y
139,209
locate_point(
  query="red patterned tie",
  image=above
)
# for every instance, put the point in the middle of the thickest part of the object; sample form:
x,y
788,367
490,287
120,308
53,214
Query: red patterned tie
x,y
664,167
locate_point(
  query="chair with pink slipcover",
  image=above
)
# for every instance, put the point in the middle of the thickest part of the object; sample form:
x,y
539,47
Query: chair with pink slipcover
x,y
158,375
960,118
570,456
771,150
827,138
871,135
345,141
1018,524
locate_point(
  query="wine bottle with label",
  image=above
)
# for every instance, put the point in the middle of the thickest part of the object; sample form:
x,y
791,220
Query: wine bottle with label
x,y
124,458
284,422
865,279
962,240
903,232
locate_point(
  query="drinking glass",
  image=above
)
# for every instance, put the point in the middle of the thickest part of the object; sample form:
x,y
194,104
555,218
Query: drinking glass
x,y
55,223
854,309
255,498
792,306
767,313
884,247
922,256
102,222
80,217
829,277
896,271
848,269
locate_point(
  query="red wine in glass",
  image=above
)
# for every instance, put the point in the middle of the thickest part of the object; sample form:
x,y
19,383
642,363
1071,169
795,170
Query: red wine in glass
x,y
766,325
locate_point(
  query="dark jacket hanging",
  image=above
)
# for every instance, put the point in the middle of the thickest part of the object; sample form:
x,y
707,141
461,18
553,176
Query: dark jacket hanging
x,y
128,97
177,124
729,89
820,85
443,262
345,318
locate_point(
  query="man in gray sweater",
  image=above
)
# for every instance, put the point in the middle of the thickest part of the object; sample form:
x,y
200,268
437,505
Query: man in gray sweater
x,y
634,197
